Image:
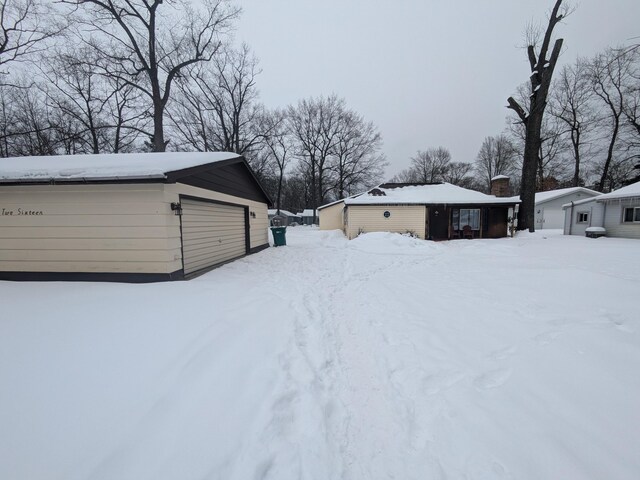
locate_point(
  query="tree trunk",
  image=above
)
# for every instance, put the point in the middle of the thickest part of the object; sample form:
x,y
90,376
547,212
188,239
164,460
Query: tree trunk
x,y
576,154
159,144
607,162
541,74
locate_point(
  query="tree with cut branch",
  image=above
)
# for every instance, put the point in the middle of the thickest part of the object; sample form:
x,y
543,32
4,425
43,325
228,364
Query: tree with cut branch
x,y
542,62
148,44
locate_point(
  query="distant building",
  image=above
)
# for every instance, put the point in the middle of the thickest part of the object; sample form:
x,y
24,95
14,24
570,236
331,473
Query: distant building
x,y
287,217
307,216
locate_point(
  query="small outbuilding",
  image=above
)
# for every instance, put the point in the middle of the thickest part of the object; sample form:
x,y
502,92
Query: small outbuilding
x,y
287,217
617,213
134,217
437,211
548,208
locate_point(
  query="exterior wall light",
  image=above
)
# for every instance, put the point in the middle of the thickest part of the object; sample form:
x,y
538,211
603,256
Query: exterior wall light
x,y
176,208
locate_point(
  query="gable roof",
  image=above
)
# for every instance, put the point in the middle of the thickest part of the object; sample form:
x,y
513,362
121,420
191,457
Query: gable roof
x,y
286,213
632,190
330,204
426,194
542,197
104,166
158,167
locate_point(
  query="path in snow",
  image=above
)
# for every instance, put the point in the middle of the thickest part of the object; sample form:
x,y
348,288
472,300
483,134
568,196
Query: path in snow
x,y
382,357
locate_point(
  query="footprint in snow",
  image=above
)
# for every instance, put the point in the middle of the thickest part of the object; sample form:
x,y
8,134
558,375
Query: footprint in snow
x,y
503,353
547,337
437,382
493,379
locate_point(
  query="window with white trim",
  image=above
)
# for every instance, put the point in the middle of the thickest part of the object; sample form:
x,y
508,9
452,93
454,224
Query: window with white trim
x,y
631,215
583,217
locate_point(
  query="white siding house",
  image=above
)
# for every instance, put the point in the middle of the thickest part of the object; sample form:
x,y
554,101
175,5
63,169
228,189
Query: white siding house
x,y
580,215
618,212
549,211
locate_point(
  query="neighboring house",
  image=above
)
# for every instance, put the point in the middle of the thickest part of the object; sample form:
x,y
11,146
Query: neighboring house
x,y
617,212
548,209
134,217
307,216
439,211
288,218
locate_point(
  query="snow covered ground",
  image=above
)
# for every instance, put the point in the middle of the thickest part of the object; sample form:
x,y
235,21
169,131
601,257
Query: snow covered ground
x,y
383,357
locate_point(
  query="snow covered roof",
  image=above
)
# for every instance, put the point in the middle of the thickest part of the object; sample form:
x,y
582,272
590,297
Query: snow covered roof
x,y
500,177
330,204
104,166
286,213
425,194
542,197
581,202
307,212
632,190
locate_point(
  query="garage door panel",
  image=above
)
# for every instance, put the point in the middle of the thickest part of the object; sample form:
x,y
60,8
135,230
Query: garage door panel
x,y
237,243
206,218
206,262
192,235
211,234
198,255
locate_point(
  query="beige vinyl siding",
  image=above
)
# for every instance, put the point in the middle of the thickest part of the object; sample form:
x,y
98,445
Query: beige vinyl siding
x,y
258,225
88,228
211,234
332,218
370,218
613,219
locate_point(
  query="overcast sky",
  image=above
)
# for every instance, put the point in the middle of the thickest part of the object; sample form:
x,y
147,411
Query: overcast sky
x,y
427,72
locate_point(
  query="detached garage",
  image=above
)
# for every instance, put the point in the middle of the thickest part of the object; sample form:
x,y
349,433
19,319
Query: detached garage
x,y
127,217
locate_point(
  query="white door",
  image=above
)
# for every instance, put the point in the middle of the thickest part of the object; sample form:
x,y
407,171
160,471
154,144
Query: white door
x,y
212,234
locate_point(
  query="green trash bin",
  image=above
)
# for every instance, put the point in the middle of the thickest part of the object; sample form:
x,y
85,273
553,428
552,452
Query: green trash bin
x,y
279,236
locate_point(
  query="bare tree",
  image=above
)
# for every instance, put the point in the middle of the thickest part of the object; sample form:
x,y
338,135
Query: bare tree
x,y
314,124
610,74
147,44
217,108
24,24
279,143
357,159
27,122
460,173
542,64
431,165
572,104
497,156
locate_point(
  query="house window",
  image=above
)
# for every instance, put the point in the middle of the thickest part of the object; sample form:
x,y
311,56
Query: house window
x,y
466,216
631,215
583,217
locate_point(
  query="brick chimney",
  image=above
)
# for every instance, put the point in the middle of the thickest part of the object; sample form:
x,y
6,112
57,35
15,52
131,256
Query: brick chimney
x,y
500,186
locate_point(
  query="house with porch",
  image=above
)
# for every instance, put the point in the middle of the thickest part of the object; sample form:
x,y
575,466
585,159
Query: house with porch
x,y
434,211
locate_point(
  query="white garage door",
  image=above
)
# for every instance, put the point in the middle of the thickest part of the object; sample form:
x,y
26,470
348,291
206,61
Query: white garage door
x,y
211,234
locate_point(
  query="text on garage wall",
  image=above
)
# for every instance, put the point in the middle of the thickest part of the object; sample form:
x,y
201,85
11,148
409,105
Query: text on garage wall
x,y
17,212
